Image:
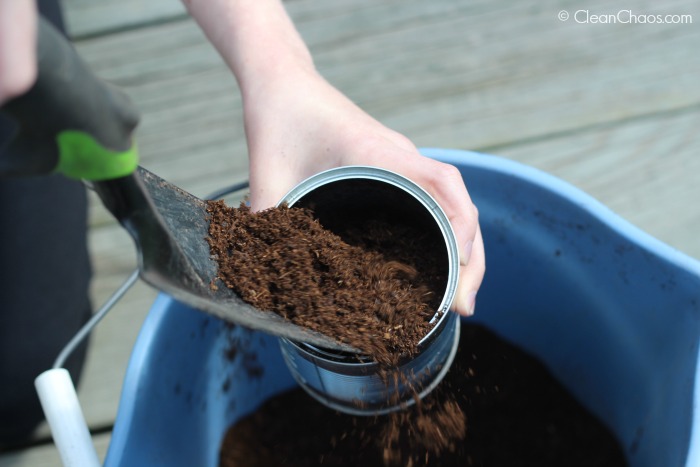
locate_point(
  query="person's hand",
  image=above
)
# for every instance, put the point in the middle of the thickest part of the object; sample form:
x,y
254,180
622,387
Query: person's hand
x,y
18,67
299,125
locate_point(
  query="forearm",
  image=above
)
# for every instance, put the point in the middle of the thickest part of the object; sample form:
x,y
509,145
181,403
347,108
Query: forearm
x,y
256,38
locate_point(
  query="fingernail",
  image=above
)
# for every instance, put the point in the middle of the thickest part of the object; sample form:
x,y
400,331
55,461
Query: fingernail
x,y
471,303
466,308
466,252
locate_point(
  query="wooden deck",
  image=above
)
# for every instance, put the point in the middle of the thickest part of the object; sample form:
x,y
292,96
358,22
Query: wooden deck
x,y
612,108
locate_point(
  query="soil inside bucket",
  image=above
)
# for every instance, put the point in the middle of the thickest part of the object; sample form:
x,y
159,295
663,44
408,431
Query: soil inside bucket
x,y
517,414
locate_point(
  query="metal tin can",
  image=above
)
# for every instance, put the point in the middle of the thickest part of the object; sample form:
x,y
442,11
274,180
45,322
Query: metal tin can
x,y
348,382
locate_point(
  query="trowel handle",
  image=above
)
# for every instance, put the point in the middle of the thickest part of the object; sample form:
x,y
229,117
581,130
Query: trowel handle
x,y
70,121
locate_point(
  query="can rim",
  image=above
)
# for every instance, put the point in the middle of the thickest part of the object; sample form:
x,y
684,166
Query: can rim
x,y
420,194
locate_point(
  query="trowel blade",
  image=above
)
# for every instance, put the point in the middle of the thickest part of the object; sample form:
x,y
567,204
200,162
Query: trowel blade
x,y
170,227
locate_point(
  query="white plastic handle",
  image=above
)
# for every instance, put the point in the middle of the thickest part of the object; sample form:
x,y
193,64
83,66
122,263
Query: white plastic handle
x,y
68,427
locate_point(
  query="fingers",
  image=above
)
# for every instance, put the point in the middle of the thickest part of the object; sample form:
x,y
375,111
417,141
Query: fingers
x,y
471,274
444,182
450,192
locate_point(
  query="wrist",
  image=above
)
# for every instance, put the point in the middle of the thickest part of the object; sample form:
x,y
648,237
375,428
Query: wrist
x,y
256,39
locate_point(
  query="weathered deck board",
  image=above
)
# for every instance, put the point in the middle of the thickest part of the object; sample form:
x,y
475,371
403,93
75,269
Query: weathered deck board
x,y
87,17
613,109
98,17
646,171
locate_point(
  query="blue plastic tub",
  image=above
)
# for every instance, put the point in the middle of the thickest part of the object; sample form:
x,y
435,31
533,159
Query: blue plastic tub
x,y
614,313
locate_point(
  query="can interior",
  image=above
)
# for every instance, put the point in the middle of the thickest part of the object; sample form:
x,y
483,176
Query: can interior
x,y
345,204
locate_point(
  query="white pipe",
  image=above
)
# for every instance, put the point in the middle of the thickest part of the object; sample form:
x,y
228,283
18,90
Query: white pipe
x,y
68,427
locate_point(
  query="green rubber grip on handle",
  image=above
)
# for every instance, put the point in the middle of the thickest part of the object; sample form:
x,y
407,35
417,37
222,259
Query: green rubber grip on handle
x,y
70,121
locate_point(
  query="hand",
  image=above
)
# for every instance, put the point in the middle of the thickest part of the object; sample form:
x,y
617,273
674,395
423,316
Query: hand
x,y
299,125
18,67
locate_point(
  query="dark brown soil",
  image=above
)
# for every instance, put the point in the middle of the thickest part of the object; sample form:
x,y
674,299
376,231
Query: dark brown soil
x,y
517,414
366,292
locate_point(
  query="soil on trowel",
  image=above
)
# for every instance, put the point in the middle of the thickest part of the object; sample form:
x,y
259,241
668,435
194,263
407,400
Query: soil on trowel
x,y
374,289
517,414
